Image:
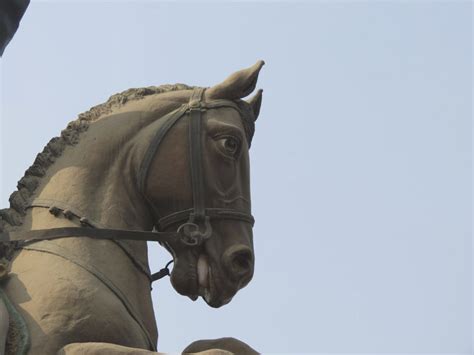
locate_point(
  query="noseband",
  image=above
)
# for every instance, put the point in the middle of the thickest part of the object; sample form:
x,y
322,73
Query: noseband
x,y
195,225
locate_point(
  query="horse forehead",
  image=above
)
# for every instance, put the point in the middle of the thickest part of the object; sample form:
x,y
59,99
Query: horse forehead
x,y
224,115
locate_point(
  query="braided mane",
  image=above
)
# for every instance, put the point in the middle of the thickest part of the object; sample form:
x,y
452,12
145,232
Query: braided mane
x,y
13,217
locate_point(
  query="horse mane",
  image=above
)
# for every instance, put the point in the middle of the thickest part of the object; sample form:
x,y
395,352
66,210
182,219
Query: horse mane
x,y
13,216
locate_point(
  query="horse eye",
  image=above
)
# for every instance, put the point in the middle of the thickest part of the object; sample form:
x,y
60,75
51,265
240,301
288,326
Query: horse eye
x,y
230,145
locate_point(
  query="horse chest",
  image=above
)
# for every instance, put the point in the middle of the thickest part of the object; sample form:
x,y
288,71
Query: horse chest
x,y
64,303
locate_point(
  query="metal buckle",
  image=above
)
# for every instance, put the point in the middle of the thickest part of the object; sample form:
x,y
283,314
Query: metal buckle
x,y
190,234
196,105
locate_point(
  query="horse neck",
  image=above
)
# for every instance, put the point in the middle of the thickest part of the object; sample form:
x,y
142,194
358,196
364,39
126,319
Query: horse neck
x,y
95,180
97,177
121,267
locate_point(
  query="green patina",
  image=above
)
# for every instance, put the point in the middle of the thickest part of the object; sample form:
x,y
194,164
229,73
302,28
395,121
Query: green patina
x,y
18,339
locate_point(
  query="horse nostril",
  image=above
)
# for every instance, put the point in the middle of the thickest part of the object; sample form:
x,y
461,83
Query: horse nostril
x,y
239,262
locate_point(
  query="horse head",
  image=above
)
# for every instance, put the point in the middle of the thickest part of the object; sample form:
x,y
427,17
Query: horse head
x,y
198,184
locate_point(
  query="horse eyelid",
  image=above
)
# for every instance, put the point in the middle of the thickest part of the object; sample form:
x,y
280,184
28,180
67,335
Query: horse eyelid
x,y
227,133
221,131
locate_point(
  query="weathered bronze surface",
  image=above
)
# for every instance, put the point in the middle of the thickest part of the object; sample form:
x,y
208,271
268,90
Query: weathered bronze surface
x,y
83,295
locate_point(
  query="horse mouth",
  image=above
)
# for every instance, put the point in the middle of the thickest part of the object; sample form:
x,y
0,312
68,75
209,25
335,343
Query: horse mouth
x,y
204,278
206,283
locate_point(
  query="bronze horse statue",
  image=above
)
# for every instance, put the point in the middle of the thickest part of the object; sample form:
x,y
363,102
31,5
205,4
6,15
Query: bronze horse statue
x,y
167,163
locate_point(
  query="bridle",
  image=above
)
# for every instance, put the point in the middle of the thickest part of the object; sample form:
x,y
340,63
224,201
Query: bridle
x,y
195,223
196,226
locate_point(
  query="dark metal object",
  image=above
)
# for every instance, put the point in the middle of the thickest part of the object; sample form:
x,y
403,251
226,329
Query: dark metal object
x,y
162,273
11,12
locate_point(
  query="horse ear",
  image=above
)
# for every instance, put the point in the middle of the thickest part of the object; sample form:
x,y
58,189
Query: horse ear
x,y
255,102
238,85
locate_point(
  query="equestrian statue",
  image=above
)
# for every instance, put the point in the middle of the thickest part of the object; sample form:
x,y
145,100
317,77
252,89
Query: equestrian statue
x,y
165,163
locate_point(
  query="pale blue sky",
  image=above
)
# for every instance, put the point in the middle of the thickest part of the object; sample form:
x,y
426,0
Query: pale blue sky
x,y
361,162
